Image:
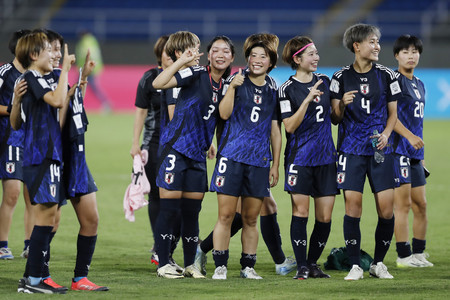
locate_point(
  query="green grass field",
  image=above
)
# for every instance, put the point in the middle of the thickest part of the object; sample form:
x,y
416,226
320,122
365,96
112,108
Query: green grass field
x,y
122,260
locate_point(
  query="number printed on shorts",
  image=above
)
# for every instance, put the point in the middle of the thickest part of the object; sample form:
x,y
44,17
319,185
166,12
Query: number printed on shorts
x,y
342,161
292,170
172,159
222,165
54,173
404,161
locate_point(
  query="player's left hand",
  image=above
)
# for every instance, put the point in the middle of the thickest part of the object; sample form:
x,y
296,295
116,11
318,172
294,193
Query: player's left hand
x,y
273,176
212,152
88,67
20,89
71,92
382,140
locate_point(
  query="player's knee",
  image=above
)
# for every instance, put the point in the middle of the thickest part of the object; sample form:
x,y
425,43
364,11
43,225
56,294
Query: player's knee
x,y
226,218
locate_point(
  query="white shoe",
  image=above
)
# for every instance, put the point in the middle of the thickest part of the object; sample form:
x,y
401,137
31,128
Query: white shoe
x,y
169,271
5,253
409,262
286,267
250,273
25,253
380,271
192,271
356,273
175,265
220,273
422,257
200,260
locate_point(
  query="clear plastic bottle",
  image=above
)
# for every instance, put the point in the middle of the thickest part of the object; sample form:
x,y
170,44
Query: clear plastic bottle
x,y
378,155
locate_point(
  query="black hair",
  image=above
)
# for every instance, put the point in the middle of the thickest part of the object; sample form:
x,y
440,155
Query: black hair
x,y
15,37
230,44
406,40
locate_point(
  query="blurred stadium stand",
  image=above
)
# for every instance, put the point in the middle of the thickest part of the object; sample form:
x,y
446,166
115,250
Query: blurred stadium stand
x,y
127,29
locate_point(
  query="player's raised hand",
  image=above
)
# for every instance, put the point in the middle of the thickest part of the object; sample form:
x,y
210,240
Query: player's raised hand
x,y
238,79
190,54
68,59
348,97
314,92
88,67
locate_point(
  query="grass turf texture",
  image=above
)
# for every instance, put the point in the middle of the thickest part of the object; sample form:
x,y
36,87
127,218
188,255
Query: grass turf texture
x,y
122,261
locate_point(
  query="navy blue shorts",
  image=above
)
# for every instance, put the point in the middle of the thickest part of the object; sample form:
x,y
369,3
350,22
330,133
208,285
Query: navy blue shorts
x,y
317,181
44,182
180,173
11,163
352,171
238,179
408,171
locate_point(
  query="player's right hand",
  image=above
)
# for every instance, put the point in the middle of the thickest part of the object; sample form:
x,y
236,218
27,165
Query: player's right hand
x,y
348,97
238,79
135,149
68,59
20,89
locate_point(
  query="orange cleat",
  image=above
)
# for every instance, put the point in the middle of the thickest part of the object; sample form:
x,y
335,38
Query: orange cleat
x,y
85,285
49,281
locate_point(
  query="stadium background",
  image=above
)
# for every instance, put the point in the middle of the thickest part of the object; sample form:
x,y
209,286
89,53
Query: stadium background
x,y
127,31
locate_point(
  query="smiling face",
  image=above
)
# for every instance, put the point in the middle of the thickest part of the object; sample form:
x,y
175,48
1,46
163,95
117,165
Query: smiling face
x,y
56,50
258,61
368,49
408,58
309,59
44,61
220,55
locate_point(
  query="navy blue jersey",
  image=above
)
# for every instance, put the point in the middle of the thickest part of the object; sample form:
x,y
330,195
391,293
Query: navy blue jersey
x,y
147,97
8,76
192,128
312,143
410,109
42,134
246,134
368,112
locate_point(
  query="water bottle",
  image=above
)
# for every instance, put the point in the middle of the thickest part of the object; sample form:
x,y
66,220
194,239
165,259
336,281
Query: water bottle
x,y
379,154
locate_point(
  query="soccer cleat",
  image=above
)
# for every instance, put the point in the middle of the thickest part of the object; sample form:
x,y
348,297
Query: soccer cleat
x,y
379,271
316,272
220,273
5,253
192,271
41,288
154,259
356,273
422,257
409,262
49,281
174,264
250,273
85,284
169,271
286,267
302,274
200,260
25,252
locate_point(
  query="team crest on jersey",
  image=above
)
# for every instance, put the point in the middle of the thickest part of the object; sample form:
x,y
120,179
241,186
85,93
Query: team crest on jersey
x,y
257,99
168,178
417,93
404,172
364,87
340,177
292,180
214,97
10,167
220,181
317,99
52,190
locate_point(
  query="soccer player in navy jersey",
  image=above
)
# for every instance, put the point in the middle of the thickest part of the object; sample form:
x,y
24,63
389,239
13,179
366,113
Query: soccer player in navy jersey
x,y
270,229
11,154
310,155
184,142
243,166
408,157
42,149
364,104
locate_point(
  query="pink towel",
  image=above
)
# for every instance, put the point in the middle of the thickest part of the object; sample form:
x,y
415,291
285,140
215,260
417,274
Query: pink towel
x,y
134,197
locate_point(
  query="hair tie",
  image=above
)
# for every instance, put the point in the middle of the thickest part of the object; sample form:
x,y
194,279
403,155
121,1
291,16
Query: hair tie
x,y
302,48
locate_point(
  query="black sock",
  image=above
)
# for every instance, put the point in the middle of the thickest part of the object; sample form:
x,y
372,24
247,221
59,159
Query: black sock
x,y
190,209
248,260
45,267
270,231
318,240
38,250
299,239
153,211
220,257
26,243
418,246
169,210
352,236
403,249
85,251
383,237
176,234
